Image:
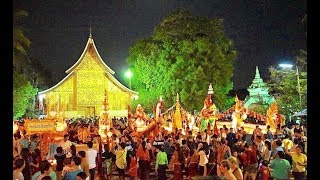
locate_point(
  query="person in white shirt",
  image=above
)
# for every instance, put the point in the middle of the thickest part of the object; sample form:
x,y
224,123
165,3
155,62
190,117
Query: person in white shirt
x,y
65,143
92,155
203,160
260,144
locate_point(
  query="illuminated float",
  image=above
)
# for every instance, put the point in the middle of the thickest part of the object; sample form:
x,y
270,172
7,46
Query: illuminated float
x,y
209,112
140,118
176,117
242,113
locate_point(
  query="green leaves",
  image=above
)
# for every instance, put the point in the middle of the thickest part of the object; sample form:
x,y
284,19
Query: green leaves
x,y
20,41
185,54
284,85
23,94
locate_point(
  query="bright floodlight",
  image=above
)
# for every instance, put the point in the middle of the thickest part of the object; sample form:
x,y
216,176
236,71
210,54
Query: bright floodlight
x,y
129,74
286,66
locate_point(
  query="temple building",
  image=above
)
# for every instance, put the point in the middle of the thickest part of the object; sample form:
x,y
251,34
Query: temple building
x,y
258,93
81,92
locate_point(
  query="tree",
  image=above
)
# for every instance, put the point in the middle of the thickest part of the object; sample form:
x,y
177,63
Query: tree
x,y
40,77
23,90
184,55
23,94
20,41
284,86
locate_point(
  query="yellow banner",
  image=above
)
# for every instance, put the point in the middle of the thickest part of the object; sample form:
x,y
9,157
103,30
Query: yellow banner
x,y
40,126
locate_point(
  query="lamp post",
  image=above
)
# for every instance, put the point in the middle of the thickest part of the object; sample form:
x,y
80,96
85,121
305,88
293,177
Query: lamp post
x,y
129,75
299,90
289,66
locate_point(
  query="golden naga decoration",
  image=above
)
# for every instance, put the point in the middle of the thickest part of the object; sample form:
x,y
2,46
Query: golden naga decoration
x,y
209,109
140,118
239,111
149,129
272,115
140,114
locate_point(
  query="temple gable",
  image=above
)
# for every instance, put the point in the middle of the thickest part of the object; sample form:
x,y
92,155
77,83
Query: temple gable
x,y
81,91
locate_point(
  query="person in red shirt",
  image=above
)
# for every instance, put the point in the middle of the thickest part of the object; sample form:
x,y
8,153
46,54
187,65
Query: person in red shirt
x,y
243,158
252,161
144,161
133,168
264,172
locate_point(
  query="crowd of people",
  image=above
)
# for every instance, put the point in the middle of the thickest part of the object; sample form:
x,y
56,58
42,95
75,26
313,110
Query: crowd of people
x,y
229,154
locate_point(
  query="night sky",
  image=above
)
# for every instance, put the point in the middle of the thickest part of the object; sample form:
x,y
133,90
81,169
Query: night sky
x,y
264,31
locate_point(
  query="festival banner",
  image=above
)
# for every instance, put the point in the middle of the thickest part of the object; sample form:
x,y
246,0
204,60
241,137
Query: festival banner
x,y
35,126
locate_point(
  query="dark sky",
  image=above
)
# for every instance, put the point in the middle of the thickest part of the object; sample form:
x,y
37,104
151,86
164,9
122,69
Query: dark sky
x,y
264,31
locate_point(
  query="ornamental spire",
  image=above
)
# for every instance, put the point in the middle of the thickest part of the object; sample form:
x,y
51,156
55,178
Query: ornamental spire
x,y
257,76
210,89
90,35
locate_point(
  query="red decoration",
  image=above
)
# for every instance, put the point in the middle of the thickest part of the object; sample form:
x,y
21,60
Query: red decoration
x,y
215,128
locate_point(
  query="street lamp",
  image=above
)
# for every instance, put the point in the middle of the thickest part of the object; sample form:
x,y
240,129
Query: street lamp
x,y
286,66
129,75
289,66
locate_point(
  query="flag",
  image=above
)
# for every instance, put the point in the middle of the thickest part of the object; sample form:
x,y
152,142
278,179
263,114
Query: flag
x,y
215,128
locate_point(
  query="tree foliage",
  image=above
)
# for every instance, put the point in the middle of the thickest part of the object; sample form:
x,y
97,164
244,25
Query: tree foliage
x,y
284,86
20,41
23,94
184,55
38,75
25,77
